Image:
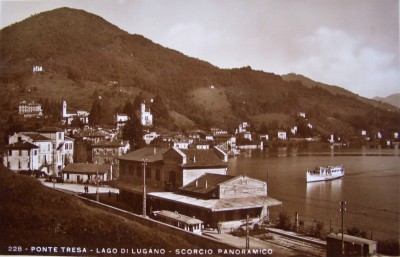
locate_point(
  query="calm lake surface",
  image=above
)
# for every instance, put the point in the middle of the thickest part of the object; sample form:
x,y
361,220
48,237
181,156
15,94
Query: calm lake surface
x,y
371,186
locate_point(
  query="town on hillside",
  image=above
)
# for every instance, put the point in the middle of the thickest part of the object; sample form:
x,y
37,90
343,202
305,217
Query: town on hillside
x,y
159,174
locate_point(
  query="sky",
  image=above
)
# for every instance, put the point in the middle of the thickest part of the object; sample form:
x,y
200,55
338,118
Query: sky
x,y
353,44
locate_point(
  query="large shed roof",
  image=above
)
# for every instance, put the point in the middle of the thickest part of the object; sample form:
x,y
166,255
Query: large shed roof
x,y
85,168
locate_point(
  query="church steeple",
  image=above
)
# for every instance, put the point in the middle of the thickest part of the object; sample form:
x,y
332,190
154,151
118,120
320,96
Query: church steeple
x,y
64,109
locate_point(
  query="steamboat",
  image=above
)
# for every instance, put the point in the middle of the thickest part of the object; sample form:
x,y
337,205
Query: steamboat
x,y
325,173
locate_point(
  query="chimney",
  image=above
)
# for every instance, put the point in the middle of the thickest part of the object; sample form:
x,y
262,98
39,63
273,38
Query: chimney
x,y
197,182
154,150
194,158
206,184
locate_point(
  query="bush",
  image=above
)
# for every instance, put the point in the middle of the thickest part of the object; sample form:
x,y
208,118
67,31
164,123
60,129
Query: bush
x,y
284,221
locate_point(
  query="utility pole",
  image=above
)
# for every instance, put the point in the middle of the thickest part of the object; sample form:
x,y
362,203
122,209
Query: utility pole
x,y
247,233
144,187
342,210
97,186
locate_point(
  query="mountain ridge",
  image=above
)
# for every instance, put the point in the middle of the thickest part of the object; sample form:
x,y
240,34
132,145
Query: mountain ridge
x,y
393,99
81,53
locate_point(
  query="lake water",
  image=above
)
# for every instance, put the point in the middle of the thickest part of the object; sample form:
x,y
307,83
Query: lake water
x,y
371,186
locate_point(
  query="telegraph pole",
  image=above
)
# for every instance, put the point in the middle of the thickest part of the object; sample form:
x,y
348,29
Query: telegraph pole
x,y
144,187
342,210
247,233
97,186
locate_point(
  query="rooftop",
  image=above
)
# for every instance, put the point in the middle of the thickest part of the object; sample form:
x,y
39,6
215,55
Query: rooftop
x,y
110,143
205,184
50,129
177,216
218,204
202,158
35,136
22,145
150,154
87,168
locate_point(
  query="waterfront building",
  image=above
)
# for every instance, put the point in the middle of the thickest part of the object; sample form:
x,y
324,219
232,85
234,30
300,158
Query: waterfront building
x,y
193,182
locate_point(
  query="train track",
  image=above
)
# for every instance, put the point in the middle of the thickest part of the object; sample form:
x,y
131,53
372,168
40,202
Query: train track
x,y
307,248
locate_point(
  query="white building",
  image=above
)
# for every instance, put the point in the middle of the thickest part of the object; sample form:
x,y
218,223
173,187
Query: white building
x,y
264,137
243,127
53,148
146,116
29,110
150,137
21,156
247,135
121,119
282,135
82,115
302,114
37,69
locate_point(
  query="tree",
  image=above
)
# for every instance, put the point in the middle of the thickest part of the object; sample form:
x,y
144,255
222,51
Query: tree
x,y
159,111
137,103
356,231
128,108
133,132
95,112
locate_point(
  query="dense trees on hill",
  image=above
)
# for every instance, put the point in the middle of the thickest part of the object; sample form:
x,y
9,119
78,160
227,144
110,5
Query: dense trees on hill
x,y
133,129
160,112
86,53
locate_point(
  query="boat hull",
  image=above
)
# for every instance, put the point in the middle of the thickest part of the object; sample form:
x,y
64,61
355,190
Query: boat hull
x,y
318,178
325,173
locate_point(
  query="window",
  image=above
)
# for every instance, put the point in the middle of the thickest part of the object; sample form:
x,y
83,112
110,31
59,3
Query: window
x,y
9,152
19,152
158,174
35,152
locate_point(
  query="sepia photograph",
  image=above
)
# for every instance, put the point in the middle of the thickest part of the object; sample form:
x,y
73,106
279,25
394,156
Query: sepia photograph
x,y
199,128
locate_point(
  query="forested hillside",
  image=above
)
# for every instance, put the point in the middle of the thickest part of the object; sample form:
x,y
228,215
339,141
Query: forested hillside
x,y
85,57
